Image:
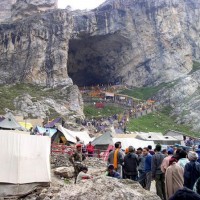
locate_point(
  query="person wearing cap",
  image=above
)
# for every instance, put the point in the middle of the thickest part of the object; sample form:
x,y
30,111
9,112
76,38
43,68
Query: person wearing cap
x,y
76,159
192,170
165,162
112,173
157,174
130,164
83,174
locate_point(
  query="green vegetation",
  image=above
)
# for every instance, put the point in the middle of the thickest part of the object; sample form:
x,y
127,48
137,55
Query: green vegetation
x,y
195,67
10,92
145,93
159,121
91,111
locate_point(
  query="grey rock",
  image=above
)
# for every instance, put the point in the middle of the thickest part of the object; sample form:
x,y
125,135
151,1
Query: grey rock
x,y
106,188
65,172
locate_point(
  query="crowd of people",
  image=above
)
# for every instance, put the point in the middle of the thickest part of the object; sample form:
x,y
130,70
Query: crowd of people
x,y
175,171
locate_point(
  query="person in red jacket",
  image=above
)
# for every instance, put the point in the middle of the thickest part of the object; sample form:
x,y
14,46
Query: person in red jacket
x,y
90,149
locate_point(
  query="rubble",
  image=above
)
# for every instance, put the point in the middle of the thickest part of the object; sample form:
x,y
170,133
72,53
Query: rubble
x,y
105,188
65,172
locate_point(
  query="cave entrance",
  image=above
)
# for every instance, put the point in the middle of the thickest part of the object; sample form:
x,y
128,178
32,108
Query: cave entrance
x,y
94,60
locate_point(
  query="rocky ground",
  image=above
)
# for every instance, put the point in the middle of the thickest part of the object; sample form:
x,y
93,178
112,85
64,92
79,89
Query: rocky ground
x,y
100,187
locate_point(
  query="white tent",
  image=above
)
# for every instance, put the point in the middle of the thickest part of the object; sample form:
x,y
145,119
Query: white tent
x,y
126,142
125,139
71,135
24,158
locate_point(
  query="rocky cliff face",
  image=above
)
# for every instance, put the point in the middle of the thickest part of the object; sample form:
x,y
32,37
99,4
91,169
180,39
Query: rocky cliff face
x,y
5,10
135,42
22,9
34,50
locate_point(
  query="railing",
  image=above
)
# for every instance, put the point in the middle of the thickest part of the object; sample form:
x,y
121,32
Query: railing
x,y
59,149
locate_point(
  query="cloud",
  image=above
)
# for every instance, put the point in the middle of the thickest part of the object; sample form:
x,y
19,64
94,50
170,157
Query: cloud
x,y
80,4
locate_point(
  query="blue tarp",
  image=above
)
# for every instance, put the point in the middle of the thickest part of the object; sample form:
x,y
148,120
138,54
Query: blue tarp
x,y
45,131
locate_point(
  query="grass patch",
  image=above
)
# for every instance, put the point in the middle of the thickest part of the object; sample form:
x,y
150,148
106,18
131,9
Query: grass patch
x,y
9,92
159,121
145,93
195,67
91,111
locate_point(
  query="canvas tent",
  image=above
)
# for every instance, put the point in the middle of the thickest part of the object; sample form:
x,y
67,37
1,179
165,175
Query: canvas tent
x,y
25,163
158,138
53,123
10,123
71,135
103,141
45,131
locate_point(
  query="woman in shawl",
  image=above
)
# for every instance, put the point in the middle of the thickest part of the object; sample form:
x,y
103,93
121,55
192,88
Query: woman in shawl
x,y
173,178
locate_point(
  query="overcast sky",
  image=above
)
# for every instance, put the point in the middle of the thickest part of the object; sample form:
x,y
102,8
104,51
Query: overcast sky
x,y
79,4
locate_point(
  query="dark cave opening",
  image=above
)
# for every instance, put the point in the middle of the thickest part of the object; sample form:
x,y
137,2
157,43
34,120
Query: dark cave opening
x,y
94,60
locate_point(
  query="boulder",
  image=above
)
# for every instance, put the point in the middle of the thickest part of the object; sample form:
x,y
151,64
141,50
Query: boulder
x,y
106,188
66,172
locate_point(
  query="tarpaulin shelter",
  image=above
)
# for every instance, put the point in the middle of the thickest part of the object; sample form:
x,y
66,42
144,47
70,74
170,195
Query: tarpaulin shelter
x,y
103,141
25,163
10,123
26,125
53,123
71,136
158,138
45,131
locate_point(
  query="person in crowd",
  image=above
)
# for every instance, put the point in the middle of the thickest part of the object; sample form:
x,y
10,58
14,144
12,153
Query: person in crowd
x,y
196,187
142,174
185,194
76,159
165,162
198,152
157,174
192,170
126,151
90,149
164,152
112,173
173,177
83,174
183,160
131,164
147,168
116,157
150,150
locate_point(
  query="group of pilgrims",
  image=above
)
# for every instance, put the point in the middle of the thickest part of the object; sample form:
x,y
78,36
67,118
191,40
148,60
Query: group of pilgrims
x,y
176,172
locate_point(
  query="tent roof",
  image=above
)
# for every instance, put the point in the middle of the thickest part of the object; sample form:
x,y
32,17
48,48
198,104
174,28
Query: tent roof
x,y
136,143
155,137
71,135
128,140
52,123
9,122
104,139
48,131
14,131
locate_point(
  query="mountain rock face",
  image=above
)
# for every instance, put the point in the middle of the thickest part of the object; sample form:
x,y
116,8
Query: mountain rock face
x,y
33,50
5,10
22,9
137,42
